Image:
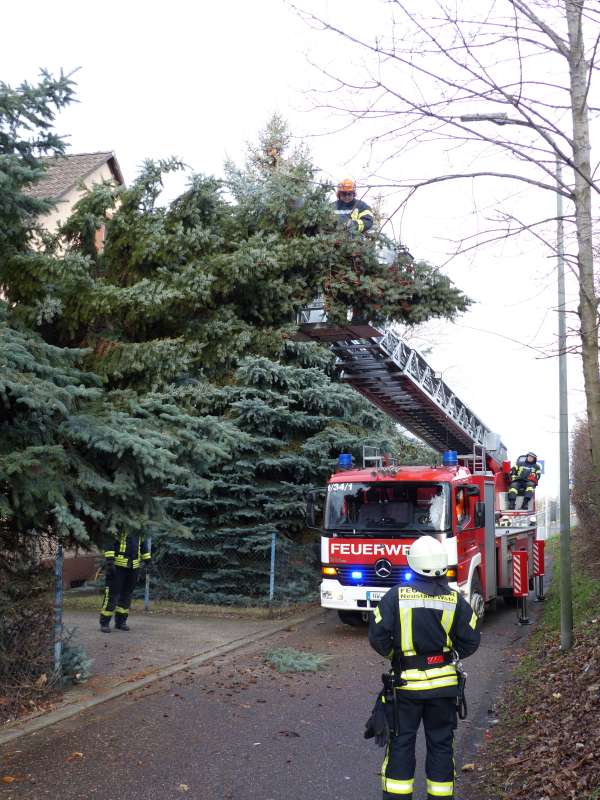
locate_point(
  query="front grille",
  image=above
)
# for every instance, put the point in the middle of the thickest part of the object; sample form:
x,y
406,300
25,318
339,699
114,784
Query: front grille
x,y
369,578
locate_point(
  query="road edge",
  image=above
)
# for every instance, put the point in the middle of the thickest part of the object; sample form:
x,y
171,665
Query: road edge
x,y
18,729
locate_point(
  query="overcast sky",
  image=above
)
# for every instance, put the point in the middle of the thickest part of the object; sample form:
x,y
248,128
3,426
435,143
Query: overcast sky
x,y
198,80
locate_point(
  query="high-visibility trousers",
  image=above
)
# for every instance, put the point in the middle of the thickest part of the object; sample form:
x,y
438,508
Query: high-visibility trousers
x,y
526,488
117,595
398,771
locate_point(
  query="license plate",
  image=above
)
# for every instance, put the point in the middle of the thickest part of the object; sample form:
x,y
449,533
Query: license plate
x,y
375,595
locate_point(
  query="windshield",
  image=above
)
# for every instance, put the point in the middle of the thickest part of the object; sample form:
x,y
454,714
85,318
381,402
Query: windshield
x,y
422,507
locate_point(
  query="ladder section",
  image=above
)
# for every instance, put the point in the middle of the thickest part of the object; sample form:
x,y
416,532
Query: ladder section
x,y
396,378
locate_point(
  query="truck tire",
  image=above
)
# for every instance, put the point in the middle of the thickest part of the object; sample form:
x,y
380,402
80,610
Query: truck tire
x,y
476,600
354,618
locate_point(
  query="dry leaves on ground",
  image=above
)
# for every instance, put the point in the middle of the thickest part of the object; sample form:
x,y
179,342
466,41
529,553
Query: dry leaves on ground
x,y
548,743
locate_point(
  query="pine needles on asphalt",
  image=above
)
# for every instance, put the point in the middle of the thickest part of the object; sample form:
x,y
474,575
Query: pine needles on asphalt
x,y
287,659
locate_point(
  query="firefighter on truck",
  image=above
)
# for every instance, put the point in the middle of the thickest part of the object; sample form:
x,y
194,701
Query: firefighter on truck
x,y
524,477
423,627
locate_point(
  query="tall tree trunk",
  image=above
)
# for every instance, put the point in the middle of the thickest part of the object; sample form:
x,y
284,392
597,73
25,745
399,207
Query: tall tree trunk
x,y
588,303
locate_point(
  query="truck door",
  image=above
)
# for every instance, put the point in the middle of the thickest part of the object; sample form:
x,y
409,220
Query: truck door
x,y
491,588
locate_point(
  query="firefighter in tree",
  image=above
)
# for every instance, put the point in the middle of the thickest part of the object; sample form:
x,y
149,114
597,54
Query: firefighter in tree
x,y
524,477
123,561
355,214
418,624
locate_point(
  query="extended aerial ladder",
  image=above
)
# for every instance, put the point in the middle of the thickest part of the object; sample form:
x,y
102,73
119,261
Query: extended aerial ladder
x,y
396,378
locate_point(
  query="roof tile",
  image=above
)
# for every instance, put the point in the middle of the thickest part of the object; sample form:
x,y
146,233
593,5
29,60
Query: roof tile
x,y
65,172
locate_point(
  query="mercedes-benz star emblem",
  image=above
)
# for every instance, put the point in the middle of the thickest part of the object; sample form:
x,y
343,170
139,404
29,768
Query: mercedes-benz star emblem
x,y
383,568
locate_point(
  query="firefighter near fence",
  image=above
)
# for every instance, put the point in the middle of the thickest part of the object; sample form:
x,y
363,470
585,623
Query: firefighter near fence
x,y
124,557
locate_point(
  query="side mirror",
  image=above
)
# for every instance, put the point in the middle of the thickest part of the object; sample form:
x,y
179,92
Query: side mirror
x,y
314,508
472,490
479,515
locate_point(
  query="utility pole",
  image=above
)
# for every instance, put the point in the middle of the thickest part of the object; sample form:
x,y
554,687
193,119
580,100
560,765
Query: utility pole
x,y
566,600
566,596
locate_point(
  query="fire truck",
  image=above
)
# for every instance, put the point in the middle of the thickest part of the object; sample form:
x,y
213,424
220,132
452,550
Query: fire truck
x,y
373,512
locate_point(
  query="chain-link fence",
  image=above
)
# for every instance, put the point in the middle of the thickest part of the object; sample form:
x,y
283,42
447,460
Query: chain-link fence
x,y
269,570
29,644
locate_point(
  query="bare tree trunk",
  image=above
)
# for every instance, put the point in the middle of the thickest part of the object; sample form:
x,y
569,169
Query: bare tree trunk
x,y
588,304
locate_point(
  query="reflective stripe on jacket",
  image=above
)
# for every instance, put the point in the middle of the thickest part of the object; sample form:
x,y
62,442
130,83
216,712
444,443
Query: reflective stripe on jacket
x,y
526,473
128,550
419,620
358,211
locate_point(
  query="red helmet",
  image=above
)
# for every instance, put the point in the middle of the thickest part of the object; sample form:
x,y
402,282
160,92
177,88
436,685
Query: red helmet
x,y
346,185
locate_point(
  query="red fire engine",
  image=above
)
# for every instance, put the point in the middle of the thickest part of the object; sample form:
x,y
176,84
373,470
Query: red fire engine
x,y
373,514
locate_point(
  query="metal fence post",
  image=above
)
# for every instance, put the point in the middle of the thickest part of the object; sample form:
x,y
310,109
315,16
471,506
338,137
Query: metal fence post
x,y
147,586
272,572
58,608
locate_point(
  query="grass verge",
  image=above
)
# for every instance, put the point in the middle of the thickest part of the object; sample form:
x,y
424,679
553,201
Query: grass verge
x,y
92,602
546,745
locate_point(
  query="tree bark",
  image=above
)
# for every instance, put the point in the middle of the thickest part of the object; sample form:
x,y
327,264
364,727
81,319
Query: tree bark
x,y
588,303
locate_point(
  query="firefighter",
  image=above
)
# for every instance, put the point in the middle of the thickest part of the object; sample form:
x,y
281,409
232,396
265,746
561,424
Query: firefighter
x,y
418,624
524,477
356,214
123,561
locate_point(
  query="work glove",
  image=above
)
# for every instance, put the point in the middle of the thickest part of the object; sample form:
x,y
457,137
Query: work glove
x,y
377,727
110,569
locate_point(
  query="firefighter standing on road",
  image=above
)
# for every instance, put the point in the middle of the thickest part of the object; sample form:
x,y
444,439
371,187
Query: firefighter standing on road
x,y
417,625
123,561
524,477
356,214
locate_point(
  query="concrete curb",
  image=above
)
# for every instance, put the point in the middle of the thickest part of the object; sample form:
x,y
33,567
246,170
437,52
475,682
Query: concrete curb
x,y
18,729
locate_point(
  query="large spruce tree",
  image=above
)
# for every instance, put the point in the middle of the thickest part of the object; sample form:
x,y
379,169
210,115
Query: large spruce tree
x,y
186,316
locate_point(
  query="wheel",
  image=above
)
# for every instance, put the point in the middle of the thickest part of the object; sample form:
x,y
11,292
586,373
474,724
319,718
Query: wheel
x,y
354,618
477,600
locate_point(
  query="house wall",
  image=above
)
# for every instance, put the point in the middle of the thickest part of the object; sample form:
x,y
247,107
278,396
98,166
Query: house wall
x,y
65,205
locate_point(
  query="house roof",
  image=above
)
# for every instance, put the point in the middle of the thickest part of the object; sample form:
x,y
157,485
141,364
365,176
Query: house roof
x,y
63,173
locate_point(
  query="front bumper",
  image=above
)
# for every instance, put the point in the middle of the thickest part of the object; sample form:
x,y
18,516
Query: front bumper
x,y
356,598
349,598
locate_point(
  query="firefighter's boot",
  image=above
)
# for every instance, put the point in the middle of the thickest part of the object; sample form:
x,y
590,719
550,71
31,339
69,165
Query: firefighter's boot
x,y
104,624
525,503
121,621
511,502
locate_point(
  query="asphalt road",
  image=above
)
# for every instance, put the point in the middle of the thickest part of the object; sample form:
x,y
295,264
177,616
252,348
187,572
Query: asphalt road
x,y
236,729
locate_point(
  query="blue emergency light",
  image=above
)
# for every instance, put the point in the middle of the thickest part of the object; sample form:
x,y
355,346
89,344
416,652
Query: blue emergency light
x,y
408,576
345,460
356,574
450,458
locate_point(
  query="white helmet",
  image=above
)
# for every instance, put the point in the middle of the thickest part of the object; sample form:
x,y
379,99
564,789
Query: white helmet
x,y
428,557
